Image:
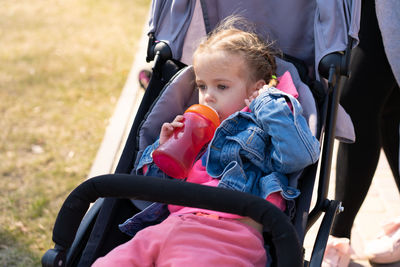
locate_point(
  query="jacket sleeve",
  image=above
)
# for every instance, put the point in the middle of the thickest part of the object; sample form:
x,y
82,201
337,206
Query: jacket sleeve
x,y
293,147
146,165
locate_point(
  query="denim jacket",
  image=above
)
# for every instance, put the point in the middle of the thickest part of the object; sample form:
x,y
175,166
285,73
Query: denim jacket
x,y
253,151
250,152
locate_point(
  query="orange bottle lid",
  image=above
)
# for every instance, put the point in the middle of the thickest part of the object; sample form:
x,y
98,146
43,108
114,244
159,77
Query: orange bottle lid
x,y
206,111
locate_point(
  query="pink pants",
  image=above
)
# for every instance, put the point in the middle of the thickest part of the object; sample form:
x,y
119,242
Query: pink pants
x,y
190,240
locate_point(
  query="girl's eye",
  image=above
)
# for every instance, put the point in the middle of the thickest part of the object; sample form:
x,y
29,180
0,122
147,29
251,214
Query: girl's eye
x,y
201,87
222,87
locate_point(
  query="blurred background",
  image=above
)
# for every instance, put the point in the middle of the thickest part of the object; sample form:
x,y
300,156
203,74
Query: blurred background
x,y
63,65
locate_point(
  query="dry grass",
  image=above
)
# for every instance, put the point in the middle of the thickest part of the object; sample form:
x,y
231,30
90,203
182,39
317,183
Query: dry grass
x,y
62,67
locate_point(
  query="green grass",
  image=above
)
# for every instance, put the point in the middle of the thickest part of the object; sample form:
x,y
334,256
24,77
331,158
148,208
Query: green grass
x,y
62,67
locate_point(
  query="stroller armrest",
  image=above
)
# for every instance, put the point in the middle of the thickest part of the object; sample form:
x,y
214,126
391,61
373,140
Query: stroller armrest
x,y
177,192
337,60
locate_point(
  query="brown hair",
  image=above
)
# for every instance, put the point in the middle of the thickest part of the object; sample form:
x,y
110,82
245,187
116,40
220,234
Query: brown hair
x,y
236,35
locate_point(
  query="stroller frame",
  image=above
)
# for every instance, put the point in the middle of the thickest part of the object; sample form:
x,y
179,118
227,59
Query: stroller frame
x,y
75,225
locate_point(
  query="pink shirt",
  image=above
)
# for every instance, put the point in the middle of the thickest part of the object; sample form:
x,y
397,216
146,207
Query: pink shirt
x,y
199,175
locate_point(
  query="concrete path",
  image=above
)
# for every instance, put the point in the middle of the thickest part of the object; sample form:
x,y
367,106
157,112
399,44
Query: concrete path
x,y
382,202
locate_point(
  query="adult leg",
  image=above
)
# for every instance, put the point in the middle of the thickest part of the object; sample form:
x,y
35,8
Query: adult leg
x,y
364,98
390,135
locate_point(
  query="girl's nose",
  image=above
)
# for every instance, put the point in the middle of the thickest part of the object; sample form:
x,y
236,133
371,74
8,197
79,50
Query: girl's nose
x,y
208,97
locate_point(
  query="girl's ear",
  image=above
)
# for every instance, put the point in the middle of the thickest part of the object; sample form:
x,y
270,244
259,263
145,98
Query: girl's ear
x,y
259,84
256,86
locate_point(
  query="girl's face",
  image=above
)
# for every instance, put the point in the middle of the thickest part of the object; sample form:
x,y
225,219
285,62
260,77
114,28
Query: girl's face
x,y
223,82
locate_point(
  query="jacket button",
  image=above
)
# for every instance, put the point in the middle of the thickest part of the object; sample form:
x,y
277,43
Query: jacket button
x,y
290,192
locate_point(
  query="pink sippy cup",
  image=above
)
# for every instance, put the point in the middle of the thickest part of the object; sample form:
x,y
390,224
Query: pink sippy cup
x,y
177,155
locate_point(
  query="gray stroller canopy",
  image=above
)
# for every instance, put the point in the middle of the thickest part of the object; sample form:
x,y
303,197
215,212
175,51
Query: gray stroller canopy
x,y
305,29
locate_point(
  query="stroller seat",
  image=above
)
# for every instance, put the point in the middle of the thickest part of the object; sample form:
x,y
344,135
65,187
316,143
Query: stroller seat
x,y
171,88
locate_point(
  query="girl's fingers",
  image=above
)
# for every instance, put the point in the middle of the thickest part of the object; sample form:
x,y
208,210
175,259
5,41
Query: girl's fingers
x,y
178,118
167,129
166,126
166,132
254,94
176,124
251,98
262,90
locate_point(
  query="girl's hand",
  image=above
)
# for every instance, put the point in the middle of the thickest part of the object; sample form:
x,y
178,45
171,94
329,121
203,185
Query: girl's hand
x,y
255,94
263,89
251,98
167,128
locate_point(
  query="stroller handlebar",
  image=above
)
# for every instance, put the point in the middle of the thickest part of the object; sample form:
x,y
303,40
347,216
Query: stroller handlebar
x,y
284,236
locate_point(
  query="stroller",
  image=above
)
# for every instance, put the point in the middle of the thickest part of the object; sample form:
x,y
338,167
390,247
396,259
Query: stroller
x,y
316,38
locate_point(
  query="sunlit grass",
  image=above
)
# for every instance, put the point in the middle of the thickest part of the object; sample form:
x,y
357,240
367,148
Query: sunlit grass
x,y
62,67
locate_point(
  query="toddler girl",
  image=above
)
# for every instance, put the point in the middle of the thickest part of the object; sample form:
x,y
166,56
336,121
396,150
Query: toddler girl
x,y
260,139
